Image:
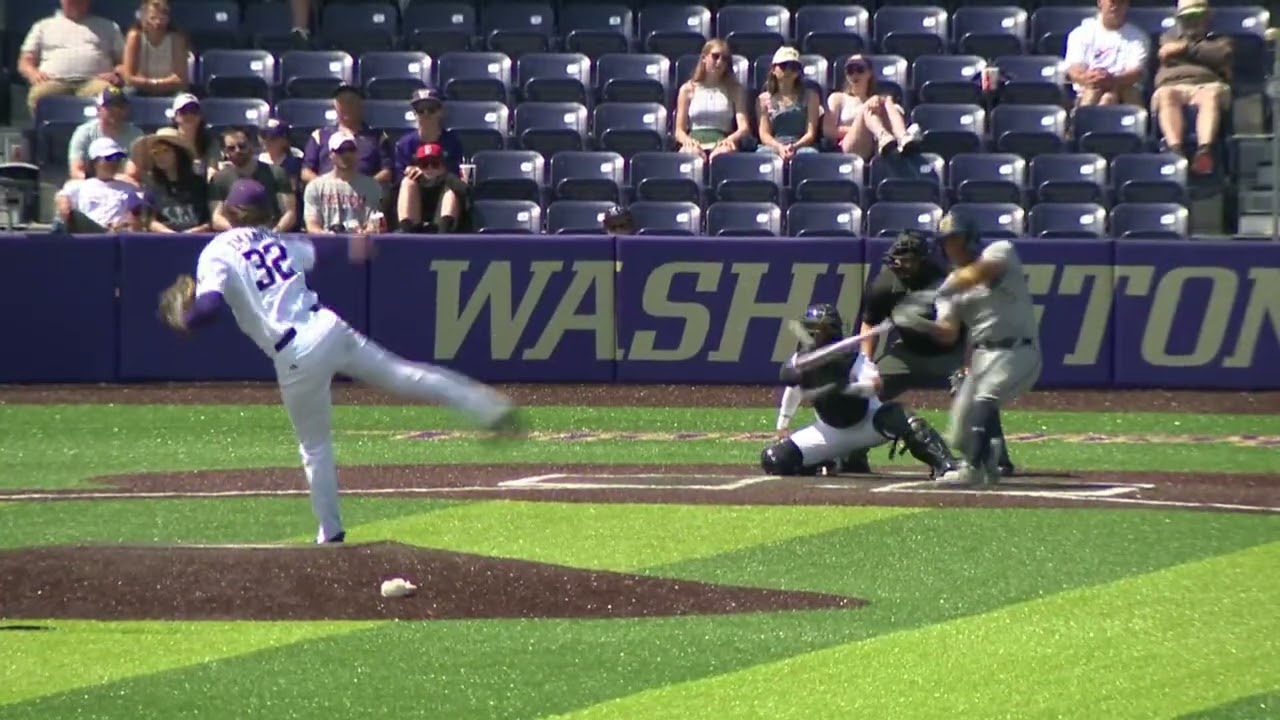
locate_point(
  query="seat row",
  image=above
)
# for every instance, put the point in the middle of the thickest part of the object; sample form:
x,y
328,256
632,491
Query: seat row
x,y
738,218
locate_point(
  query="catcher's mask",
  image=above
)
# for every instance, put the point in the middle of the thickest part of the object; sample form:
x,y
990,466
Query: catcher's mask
x,y
907,253
823,322
959,238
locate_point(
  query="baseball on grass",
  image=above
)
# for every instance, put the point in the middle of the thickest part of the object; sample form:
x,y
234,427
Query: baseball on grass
x,y
398,587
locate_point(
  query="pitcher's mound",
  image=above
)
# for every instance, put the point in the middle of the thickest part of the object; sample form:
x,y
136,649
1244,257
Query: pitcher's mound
x,y
343,582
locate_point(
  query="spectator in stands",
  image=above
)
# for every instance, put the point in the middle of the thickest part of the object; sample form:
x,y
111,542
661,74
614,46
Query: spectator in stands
x,y
343,199
276,150
618,221
428,107
861,120
435,200
71,52
789,110
373,148
103,201
1195,69
1106,57
242,162
711,108
179,196
112,122
189,121
300,35
155,54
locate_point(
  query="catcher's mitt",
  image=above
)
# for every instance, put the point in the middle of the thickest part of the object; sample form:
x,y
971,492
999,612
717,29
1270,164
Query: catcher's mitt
x,y
175,300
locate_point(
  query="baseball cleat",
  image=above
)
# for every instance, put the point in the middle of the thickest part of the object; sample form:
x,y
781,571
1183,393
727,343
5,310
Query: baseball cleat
x,y
961,476
856,464
339,538
509,425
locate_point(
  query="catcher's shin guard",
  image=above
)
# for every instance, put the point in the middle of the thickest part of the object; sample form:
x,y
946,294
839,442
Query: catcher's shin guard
x,y
916,434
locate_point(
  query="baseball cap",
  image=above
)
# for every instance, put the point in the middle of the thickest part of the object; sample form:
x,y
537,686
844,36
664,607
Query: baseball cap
x,y
184,100
275,128
247,192
427,151
105,147
425,95
1191,7
347,88
786,55
340,138
112,95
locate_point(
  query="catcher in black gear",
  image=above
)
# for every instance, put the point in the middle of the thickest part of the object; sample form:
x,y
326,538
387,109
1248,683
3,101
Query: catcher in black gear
x,y
851,418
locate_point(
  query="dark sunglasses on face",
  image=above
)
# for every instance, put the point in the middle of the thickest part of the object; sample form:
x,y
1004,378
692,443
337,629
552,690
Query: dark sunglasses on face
x,y
856,69
790,67
236,147
347,148
115,158
427,109
430,163
715,56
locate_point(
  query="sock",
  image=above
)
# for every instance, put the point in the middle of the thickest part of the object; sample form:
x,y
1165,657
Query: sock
x,y
997,432
983,417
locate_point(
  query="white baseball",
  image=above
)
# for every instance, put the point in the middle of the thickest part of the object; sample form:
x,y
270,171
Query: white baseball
x,y
398,587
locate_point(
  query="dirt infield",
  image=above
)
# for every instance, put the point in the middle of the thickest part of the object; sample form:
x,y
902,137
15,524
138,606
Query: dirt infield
x,y
342,582
614,395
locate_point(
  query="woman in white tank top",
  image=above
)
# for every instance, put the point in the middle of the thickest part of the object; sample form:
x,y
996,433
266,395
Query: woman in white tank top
x,y
863,121
155,54
711,108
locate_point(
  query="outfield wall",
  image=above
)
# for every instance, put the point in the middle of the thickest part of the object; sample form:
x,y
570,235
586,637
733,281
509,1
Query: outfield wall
x,y
1125,313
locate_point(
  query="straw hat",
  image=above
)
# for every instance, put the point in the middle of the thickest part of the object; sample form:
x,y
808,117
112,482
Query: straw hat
x,y
173,138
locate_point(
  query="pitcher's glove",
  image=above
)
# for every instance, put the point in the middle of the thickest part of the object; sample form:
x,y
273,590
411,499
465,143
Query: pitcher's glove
x,y
956,379
175,300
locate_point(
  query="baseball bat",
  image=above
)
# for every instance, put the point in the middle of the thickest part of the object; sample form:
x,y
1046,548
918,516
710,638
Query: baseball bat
x,y
817,357
797,328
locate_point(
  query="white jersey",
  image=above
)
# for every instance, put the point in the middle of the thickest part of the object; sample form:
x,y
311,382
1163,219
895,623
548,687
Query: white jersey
x,y
262,277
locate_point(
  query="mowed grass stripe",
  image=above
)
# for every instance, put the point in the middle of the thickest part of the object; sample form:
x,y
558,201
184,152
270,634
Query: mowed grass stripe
x,y
613,536
1171,642
1263,706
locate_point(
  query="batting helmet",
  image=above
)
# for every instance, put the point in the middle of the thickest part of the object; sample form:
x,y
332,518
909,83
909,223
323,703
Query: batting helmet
x,y
952,226
823,316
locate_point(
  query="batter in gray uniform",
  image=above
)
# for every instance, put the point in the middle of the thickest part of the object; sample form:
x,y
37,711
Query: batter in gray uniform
x,y
987,294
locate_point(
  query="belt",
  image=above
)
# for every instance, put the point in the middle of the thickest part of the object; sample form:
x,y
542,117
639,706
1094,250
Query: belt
x,y
1005,344
291,333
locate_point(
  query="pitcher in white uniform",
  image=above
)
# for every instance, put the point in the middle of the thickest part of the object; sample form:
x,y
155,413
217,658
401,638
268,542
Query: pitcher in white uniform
x,y
262,277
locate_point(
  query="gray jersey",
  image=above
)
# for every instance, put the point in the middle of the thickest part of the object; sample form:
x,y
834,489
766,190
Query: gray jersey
x,y
1004,312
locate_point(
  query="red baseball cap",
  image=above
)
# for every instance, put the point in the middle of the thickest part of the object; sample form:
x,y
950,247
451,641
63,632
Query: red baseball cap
x,y
429,150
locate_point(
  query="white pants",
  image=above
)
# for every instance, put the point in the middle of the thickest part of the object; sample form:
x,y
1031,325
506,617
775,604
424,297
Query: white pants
x,y
305,376
820,443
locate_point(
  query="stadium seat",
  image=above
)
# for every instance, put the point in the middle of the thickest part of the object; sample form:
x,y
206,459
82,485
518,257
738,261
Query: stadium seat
x,y
577,217
394,75
1245,25
987,178
220,113
908,179
1110,130
238,73
587,175
824,219
989,32
686,64
634,78
475,76
315,73
302,115
666,218
359,27
667,177
554,77
550,127
507,216
744,218
910,31
753,30
393,117
596,29
516,28
56,118
1149,177
1069,178
1154,21
886,219
1028,130
1031,80
827,178
994,220
1150,221
674,30
948,129
832,30
509,175
267,25
747,177
122,12
947,79
479,124
1068,220
629,128
151,113
208,24
437,28
1050,26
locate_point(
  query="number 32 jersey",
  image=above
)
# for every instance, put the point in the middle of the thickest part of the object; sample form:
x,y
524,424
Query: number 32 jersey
x,y
262,277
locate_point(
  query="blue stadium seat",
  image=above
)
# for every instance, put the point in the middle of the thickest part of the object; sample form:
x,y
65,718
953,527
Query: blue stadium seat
x,y
516,28
950,129
238,73
947,79
56,118
437,28
1110,130
208,24
122,12
747,177
222,113
1050,26
1154,21
587,175
753,30
394,75
908,179
315,73
302,115
1028,130
551,127
507,217
886,219
824,219
1067,220
910,31
151,113
686,64
554,77
393,117
510,175
596,29
729,217
832,30
1069,178
674,30
667,177
629,128
359,27
577,217
638,77
1245,24
987,178
989,32
475,76
479,124
1031,80
654,217
267,25
1149,177
827,178
994,220
1151,221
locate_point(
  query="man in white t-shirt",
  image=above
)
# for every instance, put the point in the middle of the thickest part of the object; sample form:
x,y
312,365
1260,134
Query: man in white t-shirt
x,y
104,198
1106,57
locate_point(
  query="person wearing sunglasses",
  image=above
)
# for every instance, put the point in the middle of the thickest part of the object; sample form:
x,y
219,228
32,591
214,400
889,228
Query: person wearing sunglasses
x,y
433,199
343,200
711,108
862,121
789,110
242,161
428,112
104,201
